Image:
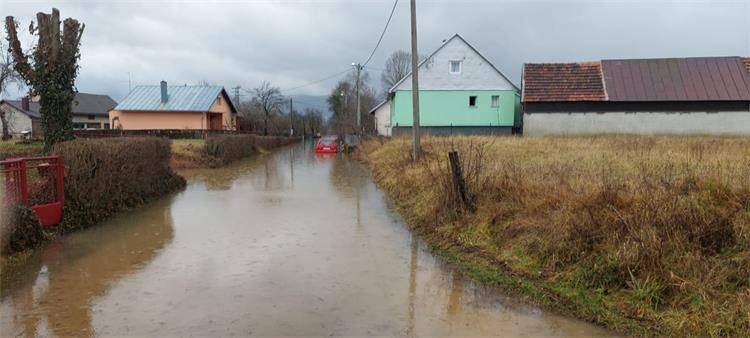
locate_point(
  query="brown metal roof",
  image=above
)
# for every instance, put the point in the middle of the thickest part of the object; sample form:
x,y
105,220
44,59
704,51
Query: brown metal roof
x,y
556,82
640,80
677,79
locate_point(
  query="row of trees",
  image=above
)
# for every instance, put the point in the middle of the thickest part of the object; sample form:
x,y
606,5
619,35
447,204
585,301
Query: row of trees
x,y
267,112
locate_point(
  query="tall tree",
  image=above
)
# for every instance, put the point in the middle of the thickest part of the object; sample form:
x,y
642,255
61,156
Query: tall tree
x,y
50,71
343,103
269,99
8,76
397,66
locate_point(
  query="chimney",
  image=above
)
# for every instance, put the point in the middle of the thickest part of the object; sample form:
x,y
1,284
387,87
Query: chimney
x,y
164,94
25,103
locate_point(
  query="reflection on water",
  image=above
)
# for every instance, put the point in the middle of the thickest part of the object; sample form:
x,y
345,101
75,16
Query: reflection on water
x,y
288,243
54,292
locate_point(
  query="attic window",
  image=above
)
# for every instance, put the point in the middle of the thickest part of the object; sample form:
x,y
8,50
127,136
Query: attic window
x,y
472,101
455,67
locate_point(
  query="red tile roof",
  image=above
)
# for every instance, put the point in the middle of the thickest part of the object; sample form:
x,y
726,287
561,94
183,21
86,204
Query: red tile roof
x,y
640,80
556,82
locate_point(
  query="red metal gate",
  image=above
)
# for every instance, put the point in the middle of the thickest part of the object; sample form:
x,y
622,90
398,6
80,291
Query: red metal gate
x,y
36,182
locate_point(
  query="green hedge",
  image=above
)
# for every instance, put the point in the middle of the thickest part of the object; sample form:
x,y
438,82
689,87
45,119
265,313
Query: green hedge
x,y
104,176
228,148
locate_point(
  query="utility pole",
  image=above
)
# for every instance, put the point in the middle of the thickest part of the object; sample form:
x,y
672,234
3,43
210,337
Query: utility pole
x,y
415,81
359,117
291,117
237,96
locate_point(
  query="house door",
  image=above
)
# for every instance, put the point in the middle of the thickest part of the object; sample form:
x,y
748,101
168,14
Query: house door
x,y
214,121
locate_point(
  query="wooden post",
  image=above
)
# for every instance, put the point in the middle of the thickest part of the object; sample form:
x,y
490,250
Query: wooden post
x,y
460,183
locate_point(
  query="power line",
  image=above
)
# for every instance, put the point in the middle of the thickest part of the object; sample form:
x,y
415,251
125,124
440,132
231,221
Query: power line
x,y
393,10
316,81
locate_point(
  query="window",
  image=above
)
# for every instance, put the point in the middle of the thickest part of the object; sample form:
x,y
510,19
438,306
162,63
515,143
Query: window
x,y
78,125
93,125
106,126
92,117
455,67
472,101
495,101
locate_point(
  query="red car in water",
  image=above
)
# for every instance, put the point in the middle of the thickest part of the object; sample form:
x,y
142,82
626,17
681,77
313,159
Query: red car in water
x,y
328,144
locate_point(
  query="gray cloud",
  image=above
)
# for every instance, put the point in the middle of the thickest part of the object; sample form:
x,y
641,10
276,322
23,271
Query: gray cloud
x,y
293,42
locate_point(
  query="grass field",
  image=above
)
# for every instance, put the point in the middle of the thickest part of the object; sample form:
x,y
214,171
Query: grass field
x,y
640,234
12,148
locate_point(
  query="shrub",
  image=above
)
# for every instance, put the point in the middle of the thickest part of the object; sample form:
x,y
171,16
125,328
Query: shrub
x,y
104,176
228,148
19,230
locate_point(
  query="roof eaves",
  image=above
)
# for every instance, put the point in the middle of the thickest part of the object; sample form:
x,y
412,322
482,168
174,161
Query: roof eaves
x,y
372,111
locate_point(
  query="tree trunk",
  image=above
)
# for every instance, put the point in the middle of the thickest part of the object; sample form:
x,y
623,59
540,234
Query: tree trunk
x,y
6,133
265,125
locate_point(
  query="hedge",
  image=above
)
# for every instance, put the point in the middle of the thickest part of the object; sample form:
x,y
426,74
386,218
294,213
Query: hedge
x,y
19,230
228,148
104,176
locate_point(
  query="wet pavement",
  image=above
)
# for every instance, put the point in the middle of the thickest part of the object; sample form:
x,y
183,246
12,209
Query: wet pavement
x,y
287,243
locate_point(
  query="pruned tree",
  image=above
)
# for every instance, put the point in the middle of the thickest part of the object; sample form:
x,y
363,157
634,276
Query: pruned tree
x,y
50,71
269,99
8,76
397,66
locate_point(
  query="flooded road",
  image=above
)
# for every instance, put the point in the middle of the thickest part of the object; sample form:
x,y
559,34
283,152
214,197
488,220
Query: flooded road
x,y
283,244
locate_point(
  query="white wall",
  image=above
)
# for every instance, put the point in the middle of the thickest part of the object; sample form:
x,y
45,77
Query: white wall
x,y
476,72
539,124
383,119
17,121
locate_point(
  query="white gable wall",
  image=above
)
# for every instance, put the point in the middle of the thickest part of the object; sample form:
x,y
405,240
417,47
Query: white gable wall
x,y
476,72
383,119
17,121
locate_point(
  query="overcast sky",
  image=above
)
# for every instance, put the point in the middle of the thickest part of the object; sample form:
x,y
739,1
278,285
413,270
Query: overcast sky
x,y
294,42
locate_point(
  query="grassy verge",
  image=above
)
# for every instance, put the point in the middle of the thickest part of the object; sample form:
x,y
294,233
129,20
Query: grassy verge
x,y
220,150
644,235
189,154
13,148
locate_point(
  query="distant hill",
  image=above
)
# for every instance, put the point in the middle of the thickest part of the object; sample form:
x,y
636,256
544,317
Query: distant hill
x,y
310,101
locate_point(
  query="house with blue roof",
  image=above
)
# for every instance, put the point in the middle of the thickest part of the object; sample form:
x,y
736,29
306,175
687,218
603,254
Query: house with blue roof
x,y
175,107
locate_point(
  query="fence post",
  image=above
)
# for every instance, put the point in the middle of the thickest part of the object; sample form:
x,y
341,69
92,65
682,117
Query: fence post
x,y
460,183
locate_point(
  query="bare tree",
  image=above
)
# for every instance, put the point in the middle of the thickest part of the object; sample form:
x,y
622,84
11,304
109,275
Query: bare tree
x,y
397,67
50,71
269,99
313,120
8,76
342,102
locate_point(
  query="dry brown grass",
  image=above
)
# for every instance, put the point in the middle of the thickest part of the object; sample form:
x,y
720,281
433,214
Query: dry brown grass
x,y
654,231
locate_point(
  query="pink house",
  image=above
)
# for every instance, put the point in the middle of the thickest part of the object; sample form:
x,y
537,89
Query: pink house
x,y
175,107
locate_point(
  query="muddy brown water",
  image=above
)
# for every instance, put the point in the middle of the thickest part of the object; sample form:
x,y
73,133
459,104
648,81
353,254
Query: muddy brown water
x,y
287,243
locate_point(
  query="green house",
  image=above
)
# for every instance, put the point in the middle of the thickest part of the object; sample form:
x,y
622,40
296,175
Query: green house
x,y
460,92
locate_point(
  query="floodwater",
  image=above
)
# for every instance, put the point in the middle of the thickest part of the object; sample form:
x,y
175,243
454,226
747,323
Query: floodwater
x,y
283,244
